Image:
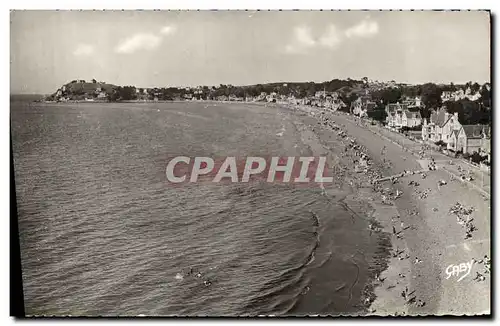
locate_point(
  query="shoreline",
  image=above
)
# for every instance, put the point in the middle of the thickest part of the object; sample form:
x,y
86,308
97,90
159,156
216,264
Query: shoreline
x,y
363,201
366,263
425,230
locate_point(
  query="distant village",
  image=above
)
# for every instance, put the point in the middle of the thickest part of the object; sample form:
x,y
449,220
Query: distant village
x,y
457,118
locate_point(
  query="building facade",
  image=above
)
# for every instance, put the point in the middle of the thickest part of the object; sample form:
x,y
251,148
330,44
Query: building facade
x,y
440,126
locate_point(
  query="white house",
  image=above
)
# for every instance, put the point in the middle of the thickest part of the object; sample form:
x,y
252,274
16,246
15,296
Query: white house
x,y
411,118
441,126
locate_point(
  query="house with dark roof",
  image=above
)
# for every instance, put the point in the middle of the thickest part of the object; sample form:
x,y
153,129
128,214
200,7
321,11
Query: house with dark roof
x,y
334,104
413,103
471,138
362,106
390,119
453,141
450,129
411,118
440,126
394,107
396,115
272,97
262,96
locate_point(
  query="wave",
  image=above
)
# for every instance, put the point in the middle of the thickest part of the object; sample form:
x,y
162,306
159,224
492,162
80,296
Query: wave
x,y
291,282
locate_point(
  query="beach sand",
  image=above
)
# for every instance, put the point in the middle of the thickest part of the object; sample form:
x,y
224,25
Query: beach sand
x,y
428,239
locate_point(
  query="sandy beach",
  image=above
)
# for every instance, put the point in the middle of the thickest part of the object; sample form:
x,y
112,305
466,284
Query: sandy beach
x,y
433,269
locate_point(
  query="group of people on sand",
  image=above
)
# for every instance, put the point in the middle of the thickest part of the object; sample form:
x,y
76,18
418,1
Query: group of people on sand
x,y
432,165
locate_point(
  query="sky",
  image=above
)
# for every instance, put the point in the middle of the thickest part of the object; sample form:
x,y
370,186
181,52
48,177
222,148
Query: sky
x,y
191,48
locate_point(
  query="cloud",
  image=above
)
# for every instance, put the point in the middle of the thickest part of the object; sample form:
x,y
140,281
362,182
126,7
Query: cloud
x,y
145,41
304,37
331,38
166,30
302,40
366,28
140,41
83,50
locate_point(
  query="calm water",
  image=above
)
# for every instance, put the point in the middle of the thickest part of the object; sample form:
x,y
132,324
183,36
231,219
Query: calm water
x,y
102,233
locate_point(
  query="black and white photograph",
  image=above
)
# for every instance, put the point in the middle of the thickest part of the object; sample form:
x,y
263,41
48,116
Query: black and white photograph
x,y
246,163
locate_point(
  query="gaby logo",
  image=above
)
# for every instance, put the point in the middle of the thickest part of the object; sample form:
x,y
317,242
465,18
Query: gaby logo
x,y
300,170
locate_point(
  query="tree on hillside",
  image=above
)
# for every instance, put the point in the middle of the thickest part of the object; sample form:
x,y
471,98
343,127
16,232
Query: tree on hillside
x,y
128,93
387,95
431,98
310,89
475,88
469,112
78,91
485,96
411,91
378,114
114,94
301,92
239,92
349,99
120,93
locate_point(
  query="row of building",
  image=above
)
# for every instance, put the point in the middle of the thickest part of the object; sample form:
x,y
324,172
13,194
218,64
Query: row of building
x,y
461,94
441,126
324,99
328,100
405,114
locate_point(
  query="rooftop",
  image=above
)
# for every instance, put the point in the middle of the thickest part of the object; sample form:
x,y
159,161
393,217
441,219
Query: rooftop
x,y
474,131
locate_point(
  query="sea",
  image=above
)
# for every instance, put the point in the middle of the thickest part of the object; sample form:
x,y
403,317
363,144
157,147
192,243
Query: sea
x,y
103,233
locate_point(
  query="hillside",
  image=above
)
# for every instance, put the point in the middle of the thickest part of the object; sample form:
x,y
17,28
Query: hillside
x,y
81,90
88,88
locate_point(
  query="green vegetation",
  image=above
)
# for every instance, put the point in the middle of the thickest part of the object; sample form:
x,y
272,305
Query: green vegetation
x,y
470,112
414,128
476,158
440,143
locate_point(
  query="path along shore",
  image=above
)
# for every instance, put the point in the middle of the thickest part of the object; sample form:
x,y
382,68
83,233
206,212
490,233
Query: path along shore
x,y
435,267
